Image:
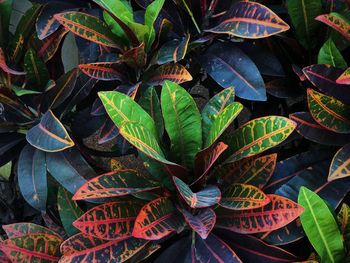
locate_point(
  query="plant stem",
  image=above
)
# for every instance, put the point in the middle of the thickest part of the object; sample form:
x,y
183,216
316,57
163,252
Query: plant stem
x,y
191,15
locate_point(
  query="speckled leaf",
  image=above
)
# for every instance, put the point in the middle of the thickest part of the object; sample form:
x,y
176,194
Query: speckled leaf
x,y
243,197
102,70
344,223
344,78
250,20
330,55
110,221
329,112
172,72
276,214
69,211
182,122
24,229
340,166
208,196
116,183
156,220
259,135
338,22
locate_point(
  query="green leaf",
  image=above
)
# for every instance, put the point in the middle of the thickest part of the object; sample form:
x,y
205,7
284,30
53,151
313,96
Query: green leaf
x,y
330,55
21,92
69,211
259,135
151,14
344,223
182,123
37,73
215,105
5,171
5,14
303,14
321,227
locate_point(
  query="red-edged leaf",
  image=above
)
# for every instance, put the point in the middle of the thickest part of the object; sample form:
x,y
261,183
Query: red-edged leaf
x,y
4,66
173,72
116,183
173,51
206,158
250,20
24,229
208,196
278,213
108,132
32,248
102,70
254,171
110,221
243,197
135,57
83,248
344,78
156,220
336,21
202,223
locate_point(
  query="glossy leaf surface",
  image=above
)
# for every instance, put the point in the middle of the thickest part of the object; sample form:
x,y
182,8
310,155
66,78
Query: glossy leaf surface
x,y
338,22
329,54
102,70
172,72
340,166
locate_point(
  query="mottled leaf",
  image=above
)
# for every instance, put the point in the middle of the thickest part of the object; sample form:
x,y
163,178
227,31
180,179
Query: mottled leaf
x,y
340,166
102,70
337,21
24,229
172,72
343,220
344,78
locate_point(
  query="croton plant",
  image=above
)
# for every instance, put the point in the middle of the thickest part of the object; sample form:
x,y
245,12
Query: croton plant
x,y
247,161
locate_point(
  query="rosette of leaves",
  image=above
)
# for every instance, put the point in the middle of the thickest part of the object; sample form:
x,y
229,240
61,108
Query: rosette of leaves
x,y
183,197
34,105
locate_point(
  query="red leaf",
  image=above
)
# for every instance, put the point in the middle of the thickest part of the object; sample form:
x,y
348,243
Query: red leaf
x,y
173,72
102,70
4,66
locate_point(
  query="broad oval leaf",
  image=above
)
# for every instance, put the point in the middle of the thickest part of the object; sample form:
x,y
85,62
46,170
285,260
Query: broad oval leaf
x,y
344,78
32,177
182,122
84,248
276,214
321,227
172,72
110,221
87,27
102,70
49,135
116,183
243,197
259,135
202,223
329,112
338,22
250,20
340,166
206,197
329,54
156,220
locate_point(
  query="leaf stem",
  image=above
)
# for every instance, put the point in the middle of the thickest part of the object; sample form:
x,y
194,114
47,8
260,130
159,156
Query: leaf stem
x,y
191,15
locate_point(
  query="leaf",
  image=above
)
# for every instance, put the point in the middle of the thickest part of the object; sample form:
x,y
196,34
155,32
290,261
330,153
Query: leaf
x,y
214,107
173,51
178,251
230,67
102,70
49,135
37,74
5,16
338,22
4,66
22,92
81,247
303,14
69,211
116,183
25,229
276,214
344,78
321,227
156,220
206,197
250,20
32,177
202,223
110,221
329,112
311,130
87,27
259,135
135,57
32,248
222,122
5,171
172,72
151,14
243,197
340,166
330,55
343,223
182,122
255,171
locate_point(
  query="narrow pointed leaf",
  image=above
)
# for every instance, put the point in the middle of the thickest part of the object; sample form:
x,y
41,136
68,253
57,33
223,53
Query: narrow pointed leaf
x,y
276,214
32,177
87,27
206,197
151,14
24,229
329,112
259,135
243,197
172,72
4,66
330,55
102,70
116,183
321,227
338,22
344,78
37,74
250,20
182,122
156,220
49,135
340,166
110,221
